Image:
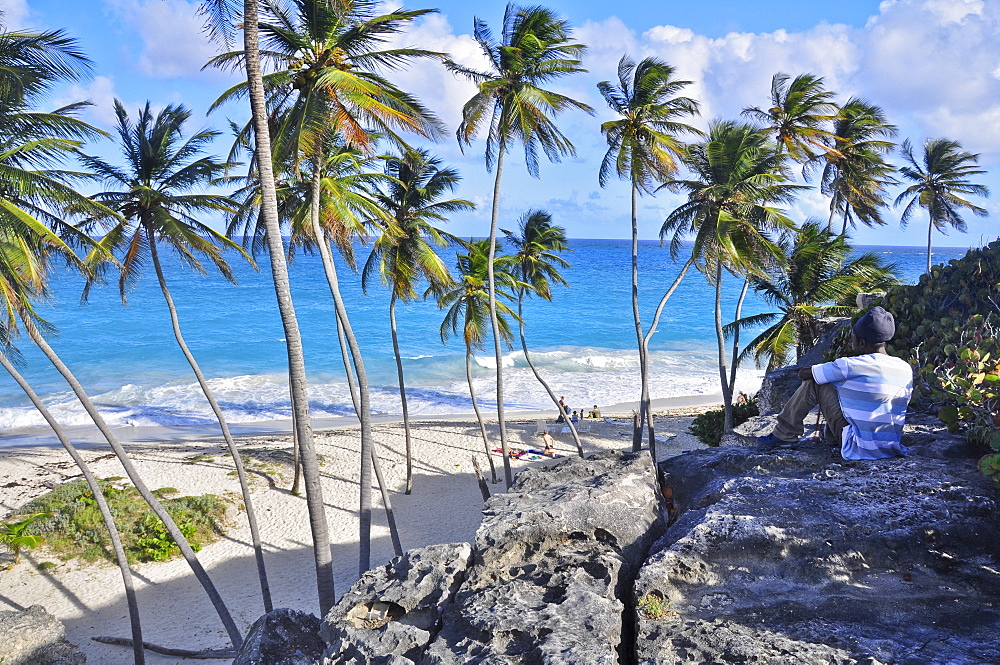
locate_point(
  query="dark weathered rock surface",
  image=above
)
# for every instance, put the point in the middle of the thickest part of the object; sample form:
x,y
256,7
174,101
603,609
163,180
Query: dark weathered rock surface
x,y
35,637
393,612
554,557
793,555
282,637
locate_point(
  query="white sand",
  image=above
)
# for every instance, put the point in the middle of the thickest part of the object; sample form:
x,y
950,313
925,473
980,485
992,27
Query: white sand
x,y
445,507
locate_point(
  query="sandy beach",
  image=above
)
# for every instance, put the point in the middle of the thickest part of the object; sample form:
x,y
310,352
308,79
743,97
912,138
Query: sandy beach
x,y
445,506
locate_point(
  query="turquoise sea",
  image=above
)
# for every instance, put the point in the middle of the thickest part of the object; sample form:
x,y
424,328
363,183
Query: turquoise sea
x,y
583,342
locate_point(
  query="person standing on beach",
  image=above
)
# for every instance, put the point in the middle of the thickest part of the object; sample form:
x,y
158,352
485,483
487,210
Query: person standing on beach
x,y
563,410
863,396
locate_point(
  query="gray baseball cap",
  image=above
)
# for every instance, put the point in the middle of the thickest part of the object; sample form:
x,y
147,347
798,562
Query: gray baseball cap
x,y
876,326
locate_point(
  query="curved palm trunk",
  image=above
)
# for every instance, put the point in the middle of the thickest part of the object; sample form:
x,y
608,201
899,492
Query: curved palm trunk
x,y
140,486
534,370
390,516
643,364
365,414
279,274
296,489
479,416
727,395
497,342
930,233
402,394
736,337
230,444
138,655
644,346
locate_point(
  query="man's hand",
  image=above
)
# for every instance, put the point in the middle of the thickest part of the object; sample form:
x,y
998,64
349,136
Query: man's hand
x,y
806,373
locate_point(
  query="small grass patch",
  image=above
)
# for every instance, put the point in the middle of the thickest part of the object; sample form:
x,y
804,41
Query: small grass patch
x,y
654,607
208,459
76,528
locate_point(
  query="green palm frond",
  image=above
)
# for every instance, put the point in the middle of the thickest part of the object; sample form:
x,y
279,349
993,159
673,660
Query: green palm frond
x,y
643,146
510,102
155,192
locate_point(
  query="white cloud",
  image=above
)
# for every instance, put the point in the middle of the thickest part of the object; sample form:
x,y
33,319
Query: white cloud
x,y
173,41
937,61
427,79
954,11
15,13
100,92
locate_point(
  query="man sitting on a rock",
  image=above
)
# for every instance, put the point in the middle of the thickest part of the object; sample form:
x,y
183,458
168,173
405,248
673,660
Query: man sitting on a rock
x,y
863,397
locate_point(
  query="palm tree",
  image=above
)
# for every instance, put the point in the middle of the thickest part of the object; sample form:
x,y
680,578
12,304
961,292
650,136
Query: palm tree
x,y
643,148
940,179
347,210
326,86
220,24
156,194
31,192
138,654
404,253
816,279
534,49
797,115
738,175
856,174
537,267
468,308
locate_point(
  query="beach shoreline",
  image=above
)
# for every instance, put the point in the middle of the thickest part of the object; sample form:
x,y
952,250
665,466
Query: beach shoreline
x,y
445,506
89,436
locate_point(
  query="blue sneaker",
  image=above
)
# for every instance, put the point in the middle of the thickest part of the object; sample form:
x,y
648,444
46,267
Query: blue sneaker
x,y
770,440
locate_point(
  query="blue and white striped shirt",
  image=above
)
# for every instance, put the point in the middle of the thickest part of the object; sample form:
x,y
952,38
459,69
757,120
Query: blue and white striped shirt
x,y
874,390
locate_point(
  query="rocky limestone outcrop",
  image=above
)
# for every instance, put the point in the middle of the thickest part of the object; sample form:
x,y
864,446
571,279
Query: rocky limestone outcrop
x,y
35,637
282,637
793,555
393,612
783,555
553,562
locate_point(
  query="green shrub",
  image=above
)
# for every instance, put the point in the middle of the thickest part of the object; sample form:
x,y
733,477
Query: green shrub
x,y
75,527
709,425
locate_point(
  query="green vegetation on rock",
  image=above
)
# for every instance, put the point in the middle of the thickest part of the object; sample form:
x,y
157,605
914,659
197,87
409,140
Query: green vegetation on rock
x,y
74,527
708,426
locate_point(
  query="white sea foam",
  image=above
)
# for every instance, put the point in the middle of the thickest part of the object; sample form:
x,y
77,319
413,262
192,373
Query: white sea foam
x,y
585,376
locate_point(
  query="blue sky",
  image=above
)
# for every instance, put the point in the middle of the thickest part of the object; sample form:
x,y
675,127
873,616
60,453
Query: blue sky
x,y
933,65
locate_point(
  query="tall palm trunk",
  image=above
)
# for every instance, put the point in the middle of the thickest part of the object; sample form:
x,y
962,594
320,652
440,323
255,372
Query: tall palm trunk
x,y
279,274
643,364
727,394
140,486
138,655
930,234
479,416
402,394
534,370
390,516
736,337
494,321
365,413
230,444
644,346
